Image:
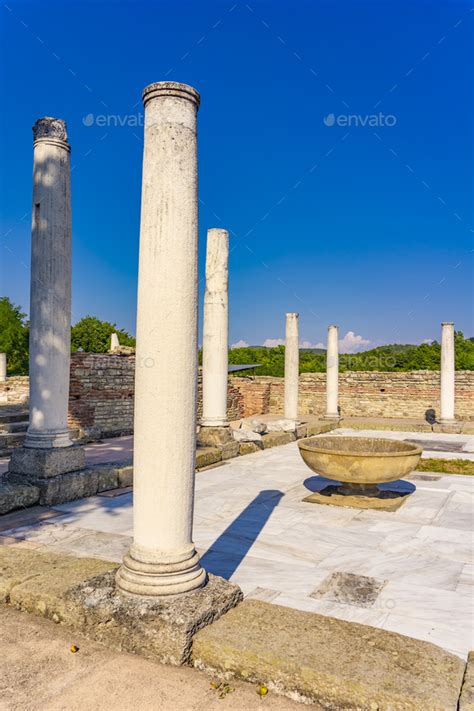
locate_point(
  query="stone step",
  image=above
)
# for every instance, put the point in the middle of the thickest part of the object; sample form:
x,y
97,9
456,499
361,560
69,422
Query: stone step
x,y
11,414
13,427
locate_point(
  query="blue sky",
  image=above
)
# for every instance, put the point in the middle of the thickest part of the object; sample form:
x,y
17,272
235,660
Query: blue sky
x,y
365,222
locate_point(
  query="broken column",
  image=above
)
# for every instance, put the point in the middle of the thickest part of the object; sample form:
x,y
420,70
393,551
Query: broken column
x,y
332,374
162,559
47,449
3,367
215,430
447,373
292,360
114,342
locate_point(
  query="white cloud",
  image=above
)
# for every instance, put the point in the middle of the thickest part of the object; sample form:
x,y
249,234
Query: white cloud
x,y
351,343
240,344
273,342
308,344
429,341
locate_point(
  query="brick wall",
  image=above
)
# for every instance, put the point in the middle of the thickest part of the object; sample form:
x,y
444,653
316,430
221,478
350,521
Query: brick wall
x,y
15,390
372,394
102,388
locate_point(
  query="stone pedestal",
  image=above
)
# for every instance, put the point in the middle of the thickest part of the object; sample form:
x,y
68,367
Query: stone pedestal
x,y
50,309
447,374
332,375
3,367
162,560
292,359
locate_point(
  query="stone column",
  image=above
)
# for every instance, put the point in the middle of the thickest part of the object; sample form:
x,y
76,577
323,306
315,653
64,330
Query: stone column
x,y
47,439
447,373
215,429
114,342
332,374
292,361
3,367
162,560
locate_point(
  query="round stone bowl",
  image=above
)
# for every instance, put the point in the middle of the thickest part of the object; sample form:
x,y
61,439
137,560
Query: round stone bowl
x,y
360,463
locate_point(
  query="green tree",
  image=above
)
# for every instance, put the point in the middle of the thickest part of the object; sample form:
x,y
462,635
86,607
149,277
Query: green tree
x,y
14,337
93,335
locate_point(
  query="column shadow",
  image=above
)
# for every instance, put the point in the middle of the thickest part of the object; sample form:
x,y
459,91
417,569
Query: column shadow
x,y
228,551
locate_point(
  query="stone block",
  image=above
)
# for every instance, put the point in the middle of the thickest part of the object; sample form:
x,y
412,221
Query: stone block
x,y
37,463
17,496
161,630
214,436
466,700
338,664
301,431
254,425
229,450
315,428
246,436
275,439
205,456
125,476
107,477
282,425
249,447
67,487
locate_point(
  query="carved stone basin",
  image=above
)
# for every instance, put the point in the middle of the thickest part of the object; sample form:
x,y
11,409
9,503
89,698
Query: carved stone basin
x,y
360,463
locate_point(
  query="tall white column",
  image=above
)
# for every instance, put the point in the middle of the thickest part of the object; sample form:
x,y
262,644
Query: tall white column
x,y
3,367
447,373
215,330
50,291
332,374
292,362
162,560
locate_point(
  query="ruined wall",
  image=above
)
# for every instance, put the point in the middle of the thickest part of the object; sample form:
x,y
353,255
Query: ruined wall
x,y
15,390
102,389
374,394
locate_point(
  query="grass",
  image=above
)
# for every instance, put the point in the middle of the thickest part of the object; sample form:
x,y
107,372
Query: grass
x,y
446,466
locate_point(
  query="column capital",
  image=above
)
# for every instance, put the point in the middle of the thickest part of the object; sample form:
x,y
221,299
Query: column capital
x,y
170,88
51,130
447,323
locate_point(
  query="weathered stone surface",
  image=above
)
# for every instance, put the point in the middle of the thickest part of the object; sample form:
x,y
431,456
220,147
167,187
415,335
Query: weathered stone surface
x,y
246,436
301,431
274,439
283,425
152,628
125,476
249,447
320,427
389,500
254,425
205,456
214,436
17,496
38,463
341,665
107,476
67,487
36,581
466,700
229,450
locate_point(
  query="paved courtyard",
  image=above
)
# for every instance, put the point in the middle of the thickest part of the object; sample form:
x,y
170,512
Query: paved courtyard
x,y
410,571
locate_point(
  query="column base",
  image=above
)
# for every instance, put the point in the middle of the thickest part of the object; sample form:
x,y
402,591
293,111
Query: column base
x,y
40,463
149,574
332,416
47,440
214,436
